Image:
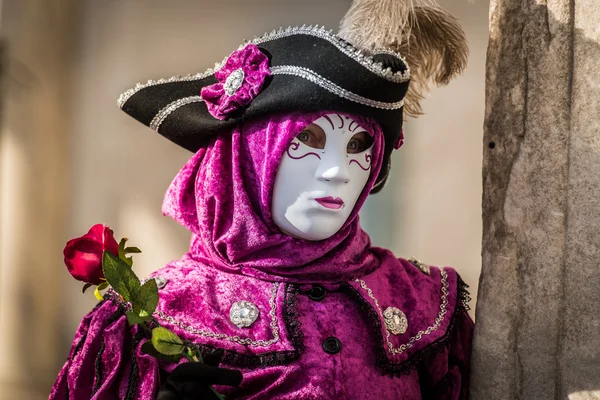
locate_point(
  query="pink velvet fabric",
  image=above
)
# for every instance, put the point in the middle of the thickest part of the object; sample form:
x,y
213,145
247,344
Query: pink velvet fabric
x,y
223,196
290,362
105,361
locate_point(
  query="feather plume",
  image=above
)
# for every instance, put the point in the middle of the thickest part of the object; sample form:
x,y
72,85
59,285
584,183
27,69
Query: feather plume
x,y
431,40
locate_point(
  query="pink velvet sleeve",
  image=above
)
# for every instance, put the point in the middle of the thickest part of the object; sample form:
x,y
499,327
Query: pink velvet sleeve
x,y
459,357
446,376
105,361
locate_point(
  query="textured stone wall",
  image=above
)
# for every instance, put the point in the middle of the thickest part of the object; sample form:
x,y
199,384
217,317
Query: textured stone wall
x,y
538,322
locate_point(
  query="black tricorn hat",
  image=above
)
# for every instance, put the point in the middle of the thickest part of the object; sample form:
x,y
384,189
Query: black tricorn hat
x,y
310,68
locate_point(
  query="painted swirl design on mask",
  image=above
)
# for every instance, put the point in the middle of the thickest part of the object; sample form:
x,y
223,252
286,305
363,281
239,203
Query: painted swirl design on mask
x,y
294,146
329,120
367,159
355,128
341,121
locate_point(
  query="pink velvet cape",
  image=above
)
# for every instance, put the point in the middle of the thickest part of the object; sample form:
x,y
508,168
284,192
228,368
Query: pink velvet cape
x,y
223,196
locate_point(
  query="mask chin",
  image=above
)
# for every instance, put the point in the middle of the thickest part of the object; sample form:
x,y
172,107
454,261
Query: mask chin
x,y
309,228
316,189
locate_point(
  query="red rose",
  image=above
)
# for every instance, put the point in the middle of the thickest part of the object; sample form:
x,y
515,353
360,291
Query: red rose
x,y
83,255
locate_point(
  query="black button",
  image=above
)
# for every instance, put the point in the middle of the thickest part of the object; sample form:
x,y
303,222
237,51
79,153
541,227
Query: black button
x,y
317,293
332,345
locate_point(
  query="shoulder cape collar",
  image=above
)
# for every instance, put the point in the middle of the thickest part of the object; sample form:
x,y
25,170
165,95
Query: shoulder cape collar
x,y
199,312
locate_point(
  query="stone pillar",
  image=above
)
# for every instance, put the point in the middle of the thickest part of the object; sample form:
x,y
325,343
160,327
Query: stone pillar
x,y
33,192
538,321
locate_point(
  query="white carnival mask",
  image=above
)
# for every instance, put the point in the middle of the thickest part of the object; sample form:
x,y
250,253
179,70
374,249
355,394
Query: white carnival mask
x,y
321,176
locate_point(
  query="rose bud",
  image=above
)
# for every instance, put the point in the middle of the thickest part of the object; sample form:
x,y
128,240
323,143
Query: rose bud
x,y
83,255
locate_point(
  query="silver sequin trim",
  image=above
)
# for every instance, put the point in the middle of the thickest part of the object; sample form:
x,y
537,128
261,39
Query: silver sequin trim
x,y
166,111
420,334
320,32
284,70
178,78
236,339
345,47
332,87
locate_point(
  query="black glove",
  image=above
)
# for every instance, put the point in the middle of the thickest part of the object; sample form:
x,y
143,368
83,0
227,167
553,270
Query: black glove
x,y
192,380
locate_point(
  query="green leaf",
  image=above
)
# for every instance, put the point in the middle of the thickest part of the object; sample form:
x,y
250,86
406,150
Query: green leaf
x,y
166,341
122,248
132,250
121,277
135,319
198,356
86,287
187,356
148,348
97,293
123,253
148,297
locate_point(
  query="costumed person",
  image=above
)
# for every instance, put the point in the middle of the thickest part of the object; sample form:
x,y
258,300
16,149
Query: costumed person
x,y
281,288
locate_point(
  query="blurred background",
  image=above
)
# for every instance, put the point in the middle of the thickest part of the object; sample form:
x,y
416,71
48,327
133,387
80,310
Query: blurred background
x,y
69,158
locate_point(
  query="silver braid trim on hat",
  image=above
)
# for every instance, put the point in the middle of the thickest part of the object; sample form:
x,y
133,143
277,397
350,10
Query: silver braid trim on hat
x,y
178,78
166,111
300,72
345,47
326,84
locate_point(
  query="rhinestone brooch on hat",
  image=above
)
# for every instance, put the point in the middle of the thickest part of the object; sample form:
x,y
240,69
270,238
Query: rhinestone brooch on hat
x,y
234,82
239,81
395,320
243,314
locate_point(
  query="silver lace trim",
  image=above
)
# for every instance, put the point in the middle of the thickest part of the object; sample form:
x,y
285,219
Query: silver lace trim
x,y
345,47
317,79
177,78
166,111
235,339
320,32
420,334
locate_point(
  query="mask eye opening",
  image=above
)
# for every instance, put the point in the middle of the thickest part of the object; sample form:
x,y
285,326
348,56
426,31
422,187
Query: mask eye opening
x,y
312,136
359,143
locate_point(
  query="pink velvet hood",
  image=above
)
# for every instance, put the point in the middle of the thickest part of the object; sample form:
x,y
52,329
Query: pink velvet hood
x,y
223,196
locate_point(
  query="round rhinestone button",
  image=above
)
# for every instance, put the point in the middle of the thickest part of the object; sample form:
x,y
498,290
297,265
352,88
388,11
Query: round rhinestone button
x,y
395,320
160,281
243,314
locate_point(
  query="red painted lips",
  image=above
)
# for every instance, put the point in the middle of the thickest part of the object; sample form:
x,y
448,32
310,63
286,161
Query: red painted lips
x,y
330,202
